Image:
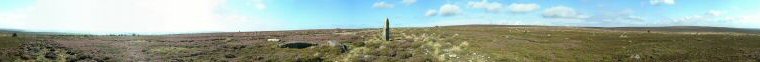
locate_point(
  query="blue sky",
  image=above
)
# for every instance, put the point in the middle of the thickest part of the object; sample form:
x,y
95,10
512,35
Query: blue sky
x,y
191,16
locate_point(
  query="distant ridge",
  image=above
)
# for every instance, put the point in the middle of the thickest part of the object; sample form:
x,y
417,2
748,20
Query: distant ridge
x,y
10,30
486,25
35,33
665,28
686,29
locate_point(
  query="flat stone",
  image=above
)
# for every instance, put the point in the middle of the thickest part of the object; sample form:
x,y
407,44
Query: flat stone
x,y
333,43
273,40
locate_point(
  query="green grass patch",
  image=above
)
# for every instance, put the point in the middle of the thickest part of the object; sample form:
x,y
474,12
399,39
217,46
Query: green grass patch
x,y
9,42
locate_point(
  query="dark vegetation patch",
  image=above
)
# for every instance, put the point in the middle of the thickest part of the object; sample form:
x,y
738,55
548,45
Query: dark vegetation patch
x,y
10,42
297,45
45,51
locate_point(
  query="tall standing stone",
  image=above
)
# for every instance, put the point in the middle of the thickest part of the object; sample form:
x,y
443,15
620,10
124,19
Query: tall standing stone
x,y
387,32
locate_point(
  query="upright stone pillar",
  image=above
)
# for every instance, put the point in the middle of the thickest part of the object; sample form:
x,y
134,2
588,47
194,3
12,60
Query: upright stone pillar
x,y
387,32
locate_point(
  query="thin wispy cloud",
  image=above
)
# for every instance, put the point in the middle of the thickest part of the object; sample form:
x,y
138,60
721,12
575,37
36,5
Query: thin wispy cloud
x,y
523,7
493,7
382,5
562,12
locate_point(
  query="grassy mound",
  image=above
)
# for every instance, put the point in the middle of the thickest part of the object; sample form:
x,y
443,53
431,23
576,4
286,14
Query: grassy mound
x,y
415,47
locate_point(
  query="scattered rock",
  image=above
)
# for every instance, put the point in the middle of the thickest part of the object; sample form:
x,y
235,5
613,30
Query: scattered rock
x,y
51,55
636,56
623,36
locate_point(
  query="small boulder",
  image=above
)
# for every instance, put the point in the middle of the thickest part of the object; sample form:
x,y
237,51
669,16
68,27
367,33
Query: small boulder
x,y
333,43
343,48
51,55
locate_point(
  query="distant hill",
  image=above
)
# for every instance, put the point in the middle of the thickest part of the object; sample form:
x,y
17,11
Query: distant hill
x,y
22,32
483,25
685,29
10,31
666,28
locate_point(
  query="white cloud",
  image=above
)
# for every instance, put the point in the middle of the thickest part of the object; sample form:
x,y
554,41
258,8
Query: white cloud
x,y
709,15
523,7
488,6
408,2
470,21
688,18
662,2
714,13
749,19
449,10
125,16
562,12
382,5
716,18
431,12
260,4
636,18
626,15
